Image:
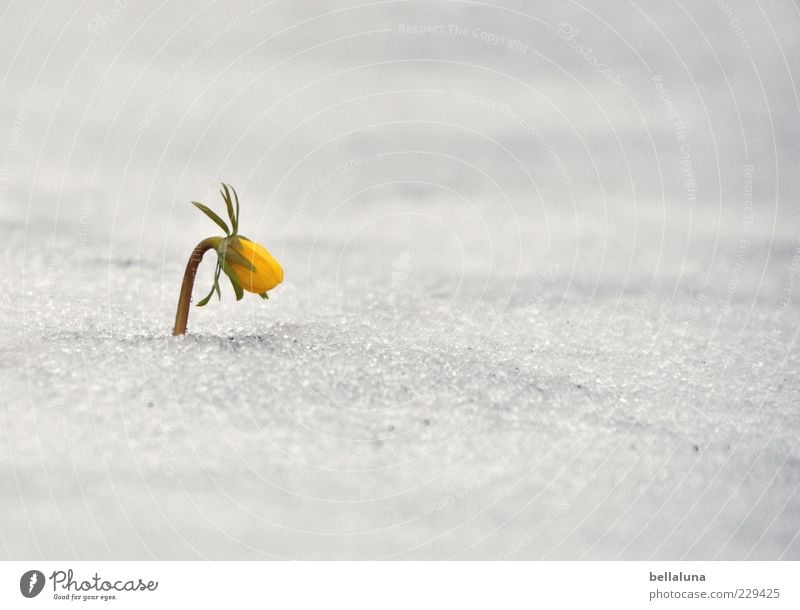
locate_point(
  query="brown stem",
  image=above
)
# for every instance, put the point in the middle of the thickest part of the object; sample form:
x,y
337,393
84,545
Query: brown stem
x,y
185,300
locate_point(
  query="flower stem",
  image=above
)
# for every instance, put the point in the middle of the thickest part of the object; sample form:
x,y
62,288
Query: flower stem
x,y
182,315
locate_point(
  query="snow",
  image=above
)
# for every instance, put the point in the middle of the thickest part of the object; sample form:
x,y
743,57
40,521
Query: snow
x,y
470,357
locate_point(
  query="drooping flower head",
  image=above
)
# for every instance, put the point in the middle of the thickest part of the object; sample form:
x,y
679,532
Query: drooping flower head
x,y
248,265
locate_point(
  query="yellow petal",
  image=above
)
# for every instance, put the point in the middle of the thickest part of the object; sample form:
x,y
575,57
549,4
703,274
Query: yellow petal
x,y
267,274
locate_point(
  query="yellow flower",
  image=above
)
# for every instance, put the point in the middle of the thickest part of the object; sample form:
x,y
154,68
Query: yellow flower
x,y
264,273
248,265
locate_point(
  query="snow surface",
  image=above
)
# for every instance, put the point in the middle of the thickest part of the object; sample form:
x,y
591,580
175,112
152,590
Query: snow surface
x,y
472,355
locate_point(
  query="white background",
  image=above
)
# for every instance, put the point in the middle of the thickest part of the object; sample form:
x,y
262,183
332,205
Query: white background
x,y
528,312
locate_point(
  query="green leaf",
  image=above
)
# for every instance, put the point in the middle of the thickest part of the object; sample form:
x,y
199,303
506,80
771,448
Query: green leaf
x,y
264,295
205,301
236,222
216,279
237,288
238,259
214,287
210,213
226,195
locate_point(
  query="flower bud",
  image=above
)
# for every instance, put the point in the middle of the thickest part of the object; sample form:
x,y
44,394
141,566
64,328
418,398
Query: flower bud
x,y
254,267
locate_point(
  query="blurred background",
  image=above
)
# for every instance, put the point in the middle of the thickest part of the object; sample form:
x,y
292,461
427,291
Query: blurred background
x,y
592,196
613,139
